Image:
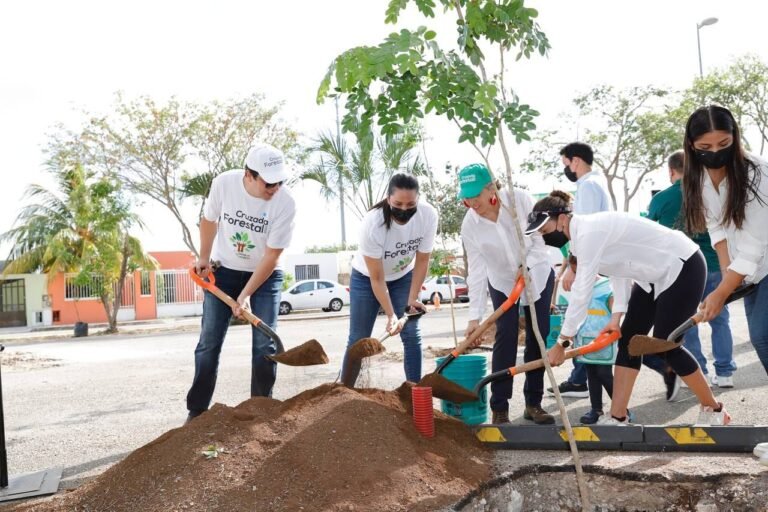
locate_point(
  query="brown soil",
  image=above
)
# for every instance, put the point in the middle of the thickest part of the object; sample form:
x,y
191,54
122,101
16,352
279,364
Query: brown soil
x,y
446,389
365,347
330,448
307,354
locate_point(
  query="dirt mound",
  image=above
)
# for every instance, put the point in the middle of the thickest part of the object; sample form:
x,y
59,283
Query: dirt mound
x,y
329,448
307,354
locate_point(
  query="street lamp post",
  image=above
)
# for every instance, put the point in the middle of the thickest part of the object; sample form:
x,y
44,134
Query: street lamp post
x,y
704,23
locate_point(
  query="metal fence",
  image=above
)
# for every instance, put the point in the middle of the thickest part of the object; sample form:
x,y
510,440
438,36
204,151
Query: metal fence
x,y
90,289
177,287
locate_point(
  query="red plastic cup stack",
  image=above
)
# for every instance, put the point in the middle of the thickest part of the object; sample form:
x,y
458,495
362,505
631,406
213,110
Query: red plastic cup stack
x,y
423,418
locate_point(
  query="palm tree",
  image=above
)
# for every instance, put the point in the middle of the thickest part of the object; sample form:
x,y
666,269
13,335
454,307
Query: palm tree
x,y
364,168
81,228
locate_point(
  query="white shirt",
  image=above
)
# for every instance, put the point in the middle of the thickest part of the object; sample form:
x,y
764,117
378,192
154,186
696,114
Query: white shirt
x,y
625,248
748,246
493,253
247,225
396,247
592,194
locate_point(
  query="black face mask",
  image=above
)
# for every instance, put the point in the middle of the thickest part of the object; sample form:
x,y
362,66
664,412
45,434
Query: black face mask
x,y
715,159
570,174
555,239
402,215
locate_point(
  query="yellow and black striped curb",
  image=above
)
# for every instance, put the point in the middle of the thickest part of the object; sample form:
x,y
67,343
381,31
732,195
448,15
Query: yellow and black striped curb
x,y
688,438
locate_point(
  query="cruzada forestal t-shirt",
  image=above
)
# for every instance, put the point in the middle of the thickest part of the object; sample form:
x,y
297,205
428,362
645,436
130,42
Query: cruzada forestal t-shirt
x,y
247,224
396,247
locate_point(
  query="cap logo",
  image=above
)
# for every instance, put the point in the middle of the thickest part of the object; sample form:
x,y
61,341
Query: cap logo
x,y
468,178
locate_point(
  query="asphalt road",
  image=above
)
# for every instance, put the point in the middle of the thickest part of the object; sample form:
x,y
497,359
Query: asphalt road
x,y
85,404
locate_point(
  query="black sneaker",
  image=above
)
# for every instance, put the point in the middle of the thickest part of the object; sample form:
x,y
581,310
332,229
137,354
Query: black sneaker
x,y
570,390
591,417
672,382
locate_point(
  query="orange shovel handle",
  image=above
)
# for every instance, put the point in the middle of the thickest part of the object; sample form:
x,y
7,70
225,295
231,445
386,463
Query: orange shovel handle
x,y
598,343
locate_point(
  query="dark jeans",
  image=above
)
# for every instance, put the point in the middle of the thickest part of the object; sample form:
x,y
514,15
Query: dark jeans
x,y
599,376
756,307
216,316
363,309
505,347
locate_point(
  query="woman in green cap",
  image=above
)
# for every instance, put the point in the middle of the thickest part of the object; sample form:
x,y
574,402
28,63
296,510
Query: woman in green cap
x,y
494,258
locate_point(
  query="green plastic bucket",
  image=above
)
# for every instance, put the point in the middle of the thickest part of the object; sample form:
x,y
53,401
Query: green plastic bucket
x,y
467,371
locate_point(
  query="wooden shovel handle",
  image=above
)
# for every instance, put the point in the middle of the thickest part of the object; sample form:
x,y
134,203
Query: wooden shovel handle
x,y
598,343
257,322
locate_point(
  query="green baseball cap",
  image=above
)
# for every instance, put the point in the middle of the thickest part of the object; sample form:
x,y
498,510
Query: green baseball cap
x,y
472,179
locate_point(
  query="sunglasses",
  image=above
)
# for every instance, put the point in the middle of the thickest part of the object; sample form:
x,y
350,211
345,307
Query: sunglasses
x,y
269,186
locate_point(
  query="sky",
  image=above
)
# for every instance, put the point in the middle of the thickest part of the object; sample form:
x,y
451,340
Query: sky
x,y
59,58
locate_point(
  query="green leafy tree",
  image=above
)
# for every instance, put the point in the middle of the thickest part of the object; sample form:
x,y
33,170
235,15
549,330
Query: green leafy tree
x,y
223,132
631,130
169,151
82,227
742,87
326,249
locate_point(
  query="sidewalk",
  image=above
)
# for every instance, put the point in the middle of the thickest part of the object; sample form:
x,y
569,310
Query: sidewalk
x,y
9,335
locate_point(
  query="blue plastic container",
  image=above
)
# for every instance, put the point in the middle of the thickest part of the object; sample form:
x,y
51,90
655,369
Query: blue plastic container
x,y
467,371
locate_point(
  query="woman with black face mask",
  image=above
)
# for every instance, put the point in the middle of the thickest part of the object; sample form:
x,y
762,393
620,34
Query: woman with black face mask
x,y
493,255
388,270
668,271
725,191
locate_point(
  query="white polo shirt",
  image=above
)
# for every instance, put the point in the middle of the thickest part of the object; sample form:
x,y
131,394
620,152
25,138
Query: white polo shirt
x,y
625,248
493,253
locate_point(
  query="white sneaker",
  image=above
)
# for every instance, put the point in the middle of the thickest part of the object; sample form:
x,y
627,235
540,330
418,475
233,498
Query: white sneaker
x,y
608,420
760,449
764,459
723,382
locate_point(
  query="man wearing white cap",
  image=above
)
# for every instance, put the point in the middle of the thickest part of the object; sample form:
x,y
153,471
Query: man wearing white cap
x,y
247,222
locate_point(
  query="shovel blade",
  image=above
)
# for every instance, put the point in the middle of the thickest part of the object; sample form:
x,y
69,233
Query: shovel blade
x,y
308,353
365,347
641,345
447,390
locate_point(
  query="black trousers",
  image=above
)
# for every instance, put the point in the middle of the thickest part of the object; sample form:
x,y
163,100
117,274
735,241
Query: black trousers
x,y
505,347
673,307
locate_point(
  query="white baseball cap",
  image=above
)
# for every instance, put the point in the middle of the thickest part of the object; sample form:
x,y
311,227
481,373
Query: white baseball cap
x,y
268,161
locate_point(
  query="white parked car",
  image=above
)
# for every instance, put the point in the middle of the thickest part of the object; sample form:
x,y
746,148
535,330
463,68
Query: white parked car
x,y
314,294
438,286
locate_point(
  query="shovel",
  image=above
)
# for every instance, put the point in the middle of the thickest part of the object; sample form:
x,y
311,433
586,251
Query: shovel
x,y
641,345
598,343
306,354
448,390
367,347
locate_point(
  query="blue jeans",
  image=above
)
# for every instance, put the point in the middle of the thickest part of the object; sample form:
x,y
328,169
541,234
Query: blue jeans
x,y
756,306
265,302
505,347
722,341
363,309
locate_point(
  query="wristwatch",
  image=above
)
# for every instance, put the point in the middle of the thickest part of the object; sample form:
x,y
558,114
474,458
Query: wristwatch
x,y
564,342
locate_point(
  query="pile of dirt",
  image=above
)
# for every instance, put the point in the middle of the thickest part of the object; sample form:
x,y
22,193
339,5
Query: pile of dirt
x,y
329,448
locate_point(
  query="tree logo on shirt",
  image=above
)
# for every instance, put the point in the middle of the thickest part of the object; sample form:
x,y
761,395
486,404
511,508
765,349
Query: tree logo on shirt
x,y
403,264
241,243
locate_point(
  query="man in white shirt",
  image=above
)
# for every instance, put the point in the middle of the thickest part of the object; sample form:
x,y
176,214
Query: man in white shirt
x,y
591,197
246,224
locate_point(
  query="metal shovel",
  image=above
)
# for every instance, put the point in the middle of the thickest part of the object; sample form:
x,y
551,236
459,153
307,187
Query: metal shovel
x,y
641,345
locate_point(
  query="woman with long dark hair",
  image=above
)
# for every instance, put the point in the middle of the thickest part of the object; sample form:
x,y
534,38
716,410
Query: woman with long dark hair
x,y
388,270
725,191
